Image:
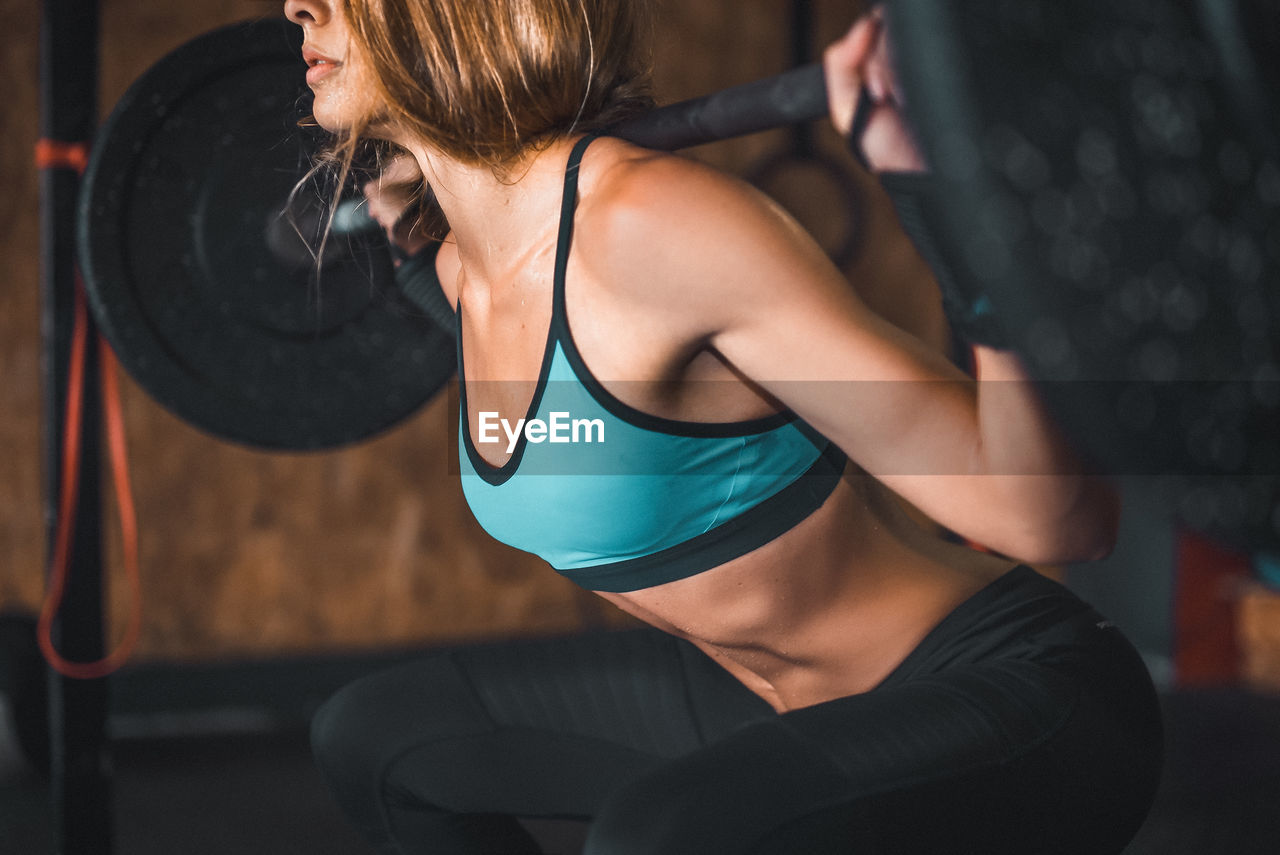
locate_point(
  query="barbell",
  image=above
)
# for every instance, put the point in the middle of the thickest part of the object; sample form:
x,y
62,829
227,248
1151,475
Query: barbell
x,y
1110,177
199,249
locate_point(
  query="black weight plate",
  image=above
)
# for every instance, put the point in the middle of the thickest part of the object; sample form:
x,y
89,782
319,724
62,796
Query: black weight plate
x,y
1123,220
210,298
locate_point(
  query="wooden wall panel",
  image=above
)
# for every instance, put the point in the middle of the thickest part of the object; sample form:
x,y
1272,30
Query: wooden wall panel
x,y
20,547
247,553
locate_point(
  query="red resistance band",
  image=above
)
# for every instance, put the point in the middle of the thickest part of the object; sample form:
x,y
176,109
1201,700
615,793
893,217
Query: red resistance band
x,y
52,154
55,154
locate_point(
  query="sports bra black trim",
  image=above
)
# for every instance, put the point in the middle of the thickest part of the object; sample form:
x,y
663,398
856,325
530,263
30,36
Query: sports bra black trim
x,y
744,533
558,331
617,407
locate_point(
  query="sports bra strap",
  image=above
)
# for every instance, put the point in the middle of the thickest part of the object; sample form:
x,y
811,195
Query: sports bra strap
x,y
568,206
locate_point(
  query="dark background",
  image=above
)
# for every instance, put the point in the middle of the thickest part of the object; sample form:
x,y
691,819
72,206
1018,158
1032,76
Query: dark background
x,y
269,579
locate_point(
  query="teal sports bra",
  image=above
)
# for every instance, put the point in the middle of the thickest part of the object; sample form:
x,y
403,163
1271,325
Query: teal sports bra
x,y
619,500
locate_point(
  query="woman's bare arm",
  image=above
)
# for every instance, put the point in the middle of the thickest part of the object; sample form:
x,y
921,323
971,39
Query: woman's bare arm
x,y
742,278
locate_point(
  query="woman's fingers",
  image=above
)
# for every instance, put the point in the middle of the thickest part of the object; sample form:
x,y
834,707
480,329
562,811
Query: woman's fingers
x,y
889,144
863,58
877,70
842,64
389,196
884,55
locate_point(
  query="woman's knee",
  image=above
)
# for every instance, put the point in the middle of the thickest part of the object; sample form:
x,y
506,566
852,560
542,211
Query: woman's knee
x,y
720,800
337,727
362,728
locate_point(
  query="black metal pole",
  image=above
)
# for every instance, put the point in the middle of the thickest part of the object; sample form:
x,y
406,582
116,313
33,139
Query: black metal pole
x,y
798,95
79,751
792,98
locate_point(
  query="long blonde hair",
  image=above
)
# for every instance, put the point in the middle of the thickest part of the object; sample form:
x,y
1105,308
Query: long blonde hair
x,y
486,81
482,80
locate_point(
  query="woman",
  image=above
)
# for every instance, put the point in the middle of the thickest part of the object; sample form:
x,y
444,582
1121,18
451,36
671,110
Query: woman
x,y
828,677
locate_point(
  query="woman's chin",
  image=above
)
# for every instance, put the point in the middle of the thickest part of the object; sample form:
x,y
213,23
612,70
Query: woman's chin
x,y
331,120
339,108
342,120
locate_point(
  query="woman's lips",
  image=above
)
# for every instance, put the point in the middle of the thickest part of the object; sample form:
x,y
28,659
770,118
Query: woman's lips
x,y
319,65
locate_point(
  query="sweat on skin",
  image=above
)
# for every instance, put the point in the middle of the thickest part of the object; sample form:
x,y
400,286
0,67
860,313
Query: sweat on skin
x,y
558,427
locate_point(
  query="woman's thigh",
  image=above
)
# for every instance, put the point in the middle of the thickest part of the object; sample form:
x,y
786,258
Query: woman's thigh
x,y
986,758
534,728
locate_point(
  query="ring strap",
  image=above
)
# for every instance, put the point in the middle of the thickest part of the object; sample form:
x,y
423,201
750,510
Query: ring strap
x,y
861,118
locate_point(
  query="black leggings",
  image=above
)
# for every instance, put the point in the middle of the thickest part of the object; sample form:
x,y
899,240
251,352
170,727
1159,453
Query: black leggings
x,y
1023,724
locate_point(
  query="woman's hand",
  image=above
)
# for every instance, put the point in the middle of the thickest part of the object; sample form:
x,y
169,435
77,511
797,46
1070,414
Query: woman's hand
x,y
389,196
861,65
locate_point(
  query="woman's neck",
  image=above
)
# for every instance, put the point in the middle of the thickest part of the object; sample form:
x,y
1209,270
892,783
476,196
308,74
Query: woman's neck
x,y
497,222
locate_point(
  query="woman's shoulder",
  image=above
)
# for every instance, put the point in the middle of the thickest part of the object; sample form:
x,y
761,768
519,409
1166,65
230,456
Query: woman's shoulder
x,y
654,218
641,188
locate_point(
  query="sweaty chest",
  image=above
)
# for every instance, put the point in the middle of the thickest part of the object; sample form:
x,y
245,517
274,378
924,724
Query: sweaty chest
x,y
586,480
615,496
518,357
